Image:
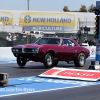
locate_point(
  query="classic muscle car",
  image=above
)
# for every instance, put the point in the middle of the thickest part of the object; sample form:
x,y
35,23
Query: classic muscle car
x,y
51,50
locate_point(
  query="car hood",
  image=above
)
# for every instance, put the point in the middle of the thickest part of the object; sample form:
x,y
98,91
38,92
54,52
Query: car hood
x,y
30,45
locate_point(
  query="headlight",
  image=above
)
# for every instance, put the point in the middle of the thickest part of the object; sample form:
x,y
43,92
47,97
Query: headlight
x,y
13,50
35,50
16,50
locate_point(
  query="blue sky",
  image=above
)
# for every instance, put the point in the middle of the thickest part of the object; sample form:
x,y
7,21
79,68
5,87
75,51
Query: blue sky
x,y
44,5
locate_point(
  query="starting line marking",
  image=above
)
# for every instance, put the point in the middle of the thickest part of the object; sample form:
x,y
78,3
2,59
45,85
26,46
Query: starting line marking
x,y
27,85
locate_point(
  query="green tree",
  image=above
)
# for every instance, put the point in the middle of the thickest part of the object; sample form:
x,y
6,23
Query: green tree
x,y
91,8
83,8
75,11
65,9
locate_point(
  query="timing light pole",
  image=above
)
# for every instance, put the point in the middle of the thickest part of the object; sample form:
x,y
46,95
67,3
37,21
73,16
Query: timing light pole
x,y
28,4
96,63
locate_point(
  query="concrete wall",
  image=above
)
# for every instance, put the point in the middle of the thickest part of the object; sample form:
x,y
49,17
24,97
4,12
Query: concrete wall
x,y
6,54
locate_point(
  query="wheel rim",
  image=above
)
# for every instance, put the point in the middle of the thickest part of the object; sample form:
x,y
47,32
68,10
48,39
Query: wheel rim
x,y
82,60
49,60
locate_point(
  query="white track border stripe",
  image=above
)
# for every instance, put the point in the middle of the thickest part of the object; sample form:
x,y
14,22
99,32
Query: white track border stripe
x,y
44,90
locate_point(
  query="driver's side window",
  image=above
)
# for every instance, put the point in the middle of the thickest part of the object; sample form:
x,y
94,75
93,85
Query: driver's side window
x,y
68,43
65,42
71,43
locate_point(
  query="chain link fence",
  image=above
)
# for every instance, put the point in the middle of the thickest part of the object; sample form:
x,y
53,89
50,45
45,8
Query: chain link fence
x,y
21,39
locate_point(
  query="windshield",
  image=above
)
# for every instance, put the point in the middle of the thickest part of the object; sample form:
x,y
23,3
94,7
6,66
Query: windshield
x,y
48,41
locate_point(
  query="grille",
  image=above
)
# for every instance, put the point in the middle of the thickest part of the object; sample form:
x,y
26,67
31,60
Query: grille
x,y
27,50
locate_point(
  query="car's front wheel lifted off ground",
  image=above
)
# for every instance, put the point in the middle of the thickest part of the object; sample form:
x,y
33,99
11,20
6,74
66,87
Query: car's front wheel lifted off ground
x,y
21,61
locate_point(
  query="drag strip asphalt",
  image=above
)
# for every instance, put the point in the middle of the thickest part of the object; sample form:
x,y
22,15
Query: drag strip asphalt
x,y
25,84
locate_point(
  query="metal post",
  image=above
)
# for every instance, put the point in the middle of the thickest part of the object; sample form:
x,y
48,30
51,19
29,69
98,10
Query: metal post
x,y
79,31
30,38
28,4
99,27
27,38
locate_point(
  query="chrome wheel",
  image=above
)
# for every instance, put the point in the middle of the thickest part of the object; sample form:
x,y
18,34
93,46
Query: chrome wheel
x,y
82,60
49,60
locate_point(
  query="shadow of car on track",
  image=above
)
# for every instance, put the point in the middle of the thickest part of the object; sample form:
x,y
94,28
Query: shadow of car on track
x,y
38,65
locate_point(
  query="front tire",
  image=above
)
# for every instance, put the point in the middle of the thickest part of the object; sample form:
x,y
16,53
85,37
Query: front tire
x,y
21,61
48,60
80,60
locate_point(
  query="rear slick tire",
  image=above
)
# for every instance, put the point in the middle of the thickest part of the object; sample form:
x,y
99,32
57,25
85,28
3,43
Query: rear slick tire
x,y
80,60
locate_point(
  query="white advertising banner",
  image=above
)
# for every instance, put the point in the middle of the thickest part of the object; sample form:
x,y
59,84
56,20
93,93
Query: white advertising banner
x,y
92,51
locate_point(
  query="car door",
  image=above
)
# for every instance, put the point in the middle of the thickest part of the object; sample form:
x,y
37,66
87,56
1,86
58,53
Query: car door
x,y
68,49
71,50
